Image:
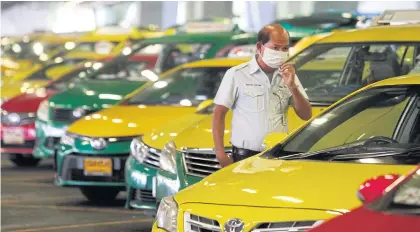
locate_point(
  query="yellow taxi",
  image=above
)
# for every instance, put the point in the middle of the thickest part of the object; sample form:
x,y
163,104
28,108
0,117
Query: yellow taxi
x,y
313,174
22,54
108,41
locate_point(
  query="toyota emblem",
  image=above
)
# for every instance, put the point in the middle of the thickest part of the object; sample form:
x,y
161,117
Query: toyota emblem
x,y
98,144
234,225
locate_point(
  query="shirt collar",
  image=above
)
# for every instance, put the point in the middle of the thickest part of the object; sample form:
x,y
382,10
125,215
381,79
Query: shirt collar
x,y
253,65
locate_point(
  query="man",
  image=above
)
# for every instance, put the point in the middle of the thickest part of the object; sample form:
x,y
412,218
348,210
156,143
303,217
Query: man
x,y
258,93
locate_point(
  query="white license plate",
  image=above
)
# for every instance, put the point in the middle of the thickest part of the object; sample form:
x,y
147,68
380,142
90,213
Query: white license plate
x,y
13,136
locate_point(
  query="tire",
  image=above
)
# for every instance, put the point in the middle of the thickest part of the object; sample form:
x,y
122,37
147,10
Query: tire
x,y
100,194
24,161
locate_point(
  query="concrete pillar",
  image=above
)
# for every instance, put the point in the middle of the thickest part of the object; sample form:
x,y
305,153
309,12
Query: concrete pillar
x,y
196,10
151,12
342,5
169,13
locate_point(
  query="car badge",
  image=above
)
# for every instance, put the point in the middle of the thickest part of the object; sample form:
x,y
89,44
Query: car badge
x,y
234,225
78,112
98,144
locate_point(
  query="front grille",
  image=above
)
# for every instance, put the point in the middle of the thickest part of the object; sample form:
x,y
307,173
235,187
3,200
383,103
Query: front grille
x,y
73,168
300,226
152,157
26,144
200,224
51,142
144,195
200,162
66,115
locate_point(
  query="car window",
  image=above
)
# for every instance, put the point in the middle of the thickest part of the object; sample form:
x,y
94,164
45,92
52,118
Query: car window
x,y
186,87
172,55
124,70
408,194
374,112
101,47
328,72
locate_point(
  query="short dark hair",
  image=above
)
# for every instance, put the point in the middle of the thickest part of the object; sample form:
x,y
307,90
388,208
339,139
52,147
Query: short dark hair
x,y
264,36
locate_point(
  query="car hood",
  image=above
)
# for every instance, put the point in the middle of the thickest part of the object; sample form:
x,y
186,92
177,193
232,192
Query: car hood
x,y
94,94
292,184
120,121
27,102
10,89
183,129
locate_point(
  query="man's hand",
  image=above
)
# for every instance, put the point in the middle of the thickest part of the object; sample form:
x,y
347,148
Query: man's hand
x,y
223,159
288,74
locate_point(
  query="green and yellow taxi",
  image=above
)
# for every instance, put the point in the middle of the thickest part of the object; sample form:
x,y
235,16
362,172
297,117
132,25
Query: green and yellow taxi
x,y
312,175
94,152
329,69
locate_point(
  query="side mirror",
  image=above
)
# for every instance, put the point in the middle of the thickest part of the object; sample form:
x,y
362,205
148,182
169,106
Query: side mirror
x,y
373,188
274,138
204,104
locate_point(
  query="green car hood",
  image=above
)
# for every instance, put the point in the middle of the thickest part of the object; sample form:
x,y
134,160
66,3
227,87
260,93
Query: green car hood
x,y
94,94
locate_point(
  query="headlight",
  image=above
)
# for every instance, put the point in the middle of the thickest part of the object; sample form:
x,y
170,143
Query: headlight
x,y
67,139
167,214
138,150
168,157
42,112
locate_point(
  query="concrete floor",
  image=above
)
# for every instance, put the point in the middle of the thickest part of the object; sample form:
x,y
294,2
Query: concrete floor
x,y
31,203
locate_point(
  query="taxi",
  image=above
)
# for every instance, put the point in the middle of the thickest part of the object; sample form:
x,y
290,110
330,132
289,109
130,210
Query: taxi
x,y
312,174
100,86
93,153
18,114
30,50
171,51
324,85
301,26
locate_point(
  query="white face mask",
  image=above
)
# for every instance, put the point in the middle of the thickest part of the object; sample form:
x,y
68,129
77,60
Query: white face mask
x,y
274,58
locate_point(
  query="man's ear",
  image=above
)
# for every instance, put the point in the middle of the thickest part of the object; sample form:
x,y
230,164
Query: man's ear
x,y
259,48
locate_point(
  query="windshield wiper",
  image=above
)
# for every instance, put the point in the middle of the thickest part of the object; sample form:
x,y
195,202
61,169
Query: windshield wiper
x,y
359,150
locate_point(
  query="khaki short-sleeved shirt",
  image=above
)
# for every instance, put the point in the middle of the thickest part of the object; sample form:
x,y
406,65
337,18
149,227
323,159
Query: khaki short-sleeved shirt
x,y
258,106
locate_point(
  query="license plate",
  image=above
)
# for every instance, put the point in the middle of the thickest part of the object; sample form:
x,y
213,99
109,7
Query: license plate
x,y
97,167
13,136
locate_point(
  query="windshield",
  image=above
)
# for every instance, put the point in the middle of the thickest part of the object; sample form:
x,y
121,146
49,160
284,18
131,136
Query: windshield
x,y
328,72
403,199
31,50
46,72
320,21
172,55
378,114
186,87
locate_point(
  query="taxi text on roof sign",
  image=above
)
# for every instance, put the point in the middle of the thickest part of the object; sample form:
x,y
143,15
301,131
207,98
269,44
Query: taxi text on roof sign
x,y
397,17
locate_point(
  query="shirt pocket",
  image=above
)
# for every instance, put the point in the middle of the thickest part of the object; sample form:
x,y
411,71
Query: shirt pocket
x,y
253,100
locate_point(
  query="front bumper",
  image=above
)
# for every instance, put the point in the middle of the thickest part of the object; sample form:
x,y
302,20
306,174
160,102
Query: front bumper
x,y
48,136
139,182
17,139
71,169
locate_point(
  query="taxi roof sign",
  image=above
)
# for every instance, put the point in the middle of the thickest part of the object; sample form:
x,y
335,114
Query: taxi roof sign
x,y
397,17
206,27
